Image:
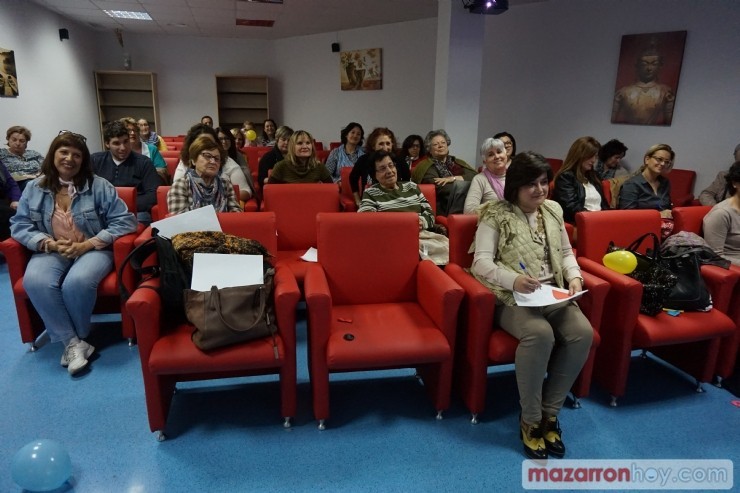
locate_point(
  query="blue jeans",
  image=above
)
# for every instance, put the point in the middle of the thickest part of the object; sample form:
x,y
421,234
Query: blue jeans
x,y
64,291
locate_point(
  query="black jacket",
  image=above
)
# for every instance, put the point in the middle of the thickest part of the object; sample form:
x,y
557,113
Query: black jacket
x,y
571,195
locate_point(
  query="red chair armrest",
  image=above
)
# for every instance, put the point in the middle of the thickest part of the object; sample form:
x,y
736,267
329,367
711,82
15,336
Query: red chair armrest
x,y
17,257
348,204
592,303
319,304
720,283
439,296
145,307
479,306
287,296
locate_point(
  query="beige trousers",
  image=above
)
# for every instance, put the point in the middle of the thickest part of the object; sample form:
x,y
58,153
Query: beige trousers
x,y
554,342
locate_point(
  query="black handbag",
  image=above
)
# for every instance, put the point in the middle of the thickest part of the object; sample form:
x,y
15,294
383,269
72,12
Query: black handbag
x,y
232,315
657,280
690,292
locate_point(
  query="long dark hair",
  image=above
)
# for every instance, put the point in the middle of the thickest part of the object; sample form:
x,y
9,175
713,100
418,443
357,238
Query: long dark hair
x,y
50,179
232,150
408,142
346,130
524,169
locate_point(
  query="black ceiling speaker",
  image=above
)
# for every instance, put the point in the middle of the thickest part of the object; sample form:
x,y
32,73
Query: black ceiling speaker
x,y
487,7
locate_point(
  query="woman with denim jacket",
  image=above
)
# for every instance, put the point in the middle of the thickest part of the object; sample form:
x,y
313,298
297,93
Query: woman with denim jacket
x,y
69,218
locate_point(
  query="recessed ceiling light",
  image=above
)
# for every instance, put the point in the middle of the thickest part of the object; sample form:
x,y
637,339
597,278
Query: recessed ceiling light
x,y
124,14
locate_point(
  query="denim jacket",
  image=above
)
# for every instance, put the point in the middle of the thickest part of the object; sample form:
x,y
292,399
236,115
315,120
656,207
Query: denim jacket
x,y
96,211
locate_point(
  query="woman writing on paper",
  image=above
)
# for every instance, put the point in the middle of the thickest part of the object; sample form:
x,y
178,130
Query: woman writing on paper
x,y
521,243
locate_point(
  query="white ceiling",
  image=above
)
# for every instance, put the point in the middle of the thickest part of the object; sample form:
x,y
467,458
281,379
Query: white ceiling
x,y
217,18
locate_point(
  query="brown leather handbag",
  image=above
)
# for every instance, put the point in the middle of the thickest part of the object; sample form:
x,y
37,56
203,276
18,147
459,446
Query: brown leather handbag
x,y
232,315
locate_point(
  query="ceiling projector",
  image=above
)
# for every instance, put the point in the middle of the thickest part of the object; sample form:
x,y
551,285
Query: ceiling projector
x,y
487,7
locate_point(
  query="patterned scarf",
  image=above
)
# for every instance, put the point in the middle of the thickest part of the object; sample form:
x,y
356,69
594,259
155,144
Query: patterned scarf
x,y
152,139
443,166
496,182
71,189
204,195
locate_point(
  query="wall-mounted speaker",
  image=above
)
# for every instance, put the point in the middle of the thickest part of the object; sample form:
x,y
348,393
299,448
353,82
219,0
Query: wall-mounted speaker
x,y
63,34
335,47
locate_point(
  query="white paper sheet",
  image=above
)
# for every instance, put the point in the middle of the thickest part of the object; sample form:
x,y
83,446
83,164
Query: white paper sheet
x,y
546,295
225,271
311,255
202,219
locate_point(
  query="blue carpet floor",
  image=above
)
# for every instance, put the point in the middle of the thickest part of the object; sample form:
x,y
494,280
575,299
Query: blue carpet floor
x,y
227,436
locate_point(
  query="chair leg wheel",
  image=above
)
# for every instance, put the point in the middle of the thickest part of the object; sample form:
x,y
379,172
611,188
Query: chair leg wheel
x,y
439,416
613,402
576,403
699,388
286,423
322,425
161,437
718,382
32,347
131,342
474,419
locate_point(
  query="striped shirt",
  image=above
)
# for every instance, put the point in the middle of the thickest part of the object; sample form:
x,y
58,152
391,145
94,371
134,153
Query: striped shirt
x,y
406,197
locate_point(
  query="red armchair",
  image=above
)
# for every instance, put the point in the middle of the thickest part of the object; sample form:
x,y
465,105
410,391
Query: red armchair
x,y
372,304
160,209
109,300
346,197
168,354
691,219
682,186
689,341
296,206
480,344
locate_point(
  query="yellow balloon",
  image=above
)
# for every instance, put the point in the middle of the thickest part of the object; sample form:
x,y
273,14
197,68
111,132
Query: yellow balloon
x,y
620,261
251,135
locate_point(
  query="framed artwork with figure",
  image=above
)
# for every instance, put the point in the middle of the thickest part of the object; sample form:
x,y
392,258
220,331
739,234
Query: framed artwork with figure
x,y
8,76
647,78
361,70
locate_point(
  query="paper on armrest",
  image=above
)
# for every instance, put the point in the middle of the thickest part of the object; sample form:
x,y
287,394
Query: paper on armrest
x,y
311,255
226,271
546,295
202,219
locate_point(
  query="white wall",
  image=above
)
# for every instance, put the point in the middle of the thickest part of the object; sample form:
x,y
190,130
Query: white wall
x,y
550,69
55,78
303,72
310,96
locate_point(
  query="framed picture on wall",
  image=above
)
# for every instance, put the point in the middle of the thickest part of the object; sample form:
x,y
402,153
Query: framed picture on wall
x,y
361,70
8,76
647,78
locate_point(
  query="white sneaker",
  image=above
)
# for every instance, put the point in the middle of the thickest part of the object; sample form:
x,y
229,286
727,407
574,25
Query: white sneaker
x,y
75,356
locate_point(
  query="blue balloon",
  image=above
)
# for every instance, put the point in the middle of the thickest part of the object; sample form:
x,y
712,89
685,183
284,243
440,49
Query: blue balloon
x,y
42,465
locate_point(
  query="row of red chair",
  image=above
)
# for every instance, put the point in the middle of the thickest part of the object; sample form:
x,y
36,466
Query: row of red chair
x,y
361,290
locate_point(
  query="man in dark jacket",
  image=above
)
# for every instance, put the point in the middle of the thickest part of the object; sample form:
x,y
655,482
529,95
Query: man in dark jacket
x,y
125,168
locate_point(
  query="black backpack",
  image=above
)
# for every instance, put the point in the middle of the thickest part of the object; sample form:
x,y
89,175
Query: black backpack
x,y
174,277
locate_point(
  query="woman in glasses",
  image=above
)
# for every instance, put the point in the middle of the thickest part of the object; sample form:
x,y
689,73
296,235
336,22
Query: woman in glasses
x,y
650,189
69,218
202,185
229,167
509,145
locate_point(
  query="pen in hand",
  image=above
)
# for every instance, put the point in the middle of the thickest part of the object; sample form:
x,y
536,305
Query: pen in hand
x,y
532,283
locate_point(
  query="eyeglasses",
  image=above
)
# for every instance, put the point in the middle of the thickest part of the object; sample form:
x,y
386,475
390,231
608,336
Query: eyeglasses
x,y
661,161
76,136
383,169
210,157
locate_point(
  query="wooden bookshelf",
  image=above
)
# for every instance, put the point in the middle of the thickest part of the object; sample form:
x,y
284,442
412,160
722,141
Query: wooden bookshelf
x,y
241,99
122,94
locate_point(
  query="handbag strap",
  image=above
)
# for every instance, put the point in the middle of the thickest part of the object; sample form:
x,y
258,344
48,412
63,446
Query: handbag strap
x,y
216,300
635,245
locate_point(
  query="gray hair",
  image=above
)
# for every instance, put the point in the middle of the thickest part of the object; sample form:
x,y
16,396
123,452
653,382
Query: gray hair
x,y
491,143
432,134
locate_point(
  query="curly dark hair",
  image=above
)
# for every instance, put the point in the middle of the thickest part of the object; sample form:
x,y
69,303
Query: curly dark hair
x,y
346,130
